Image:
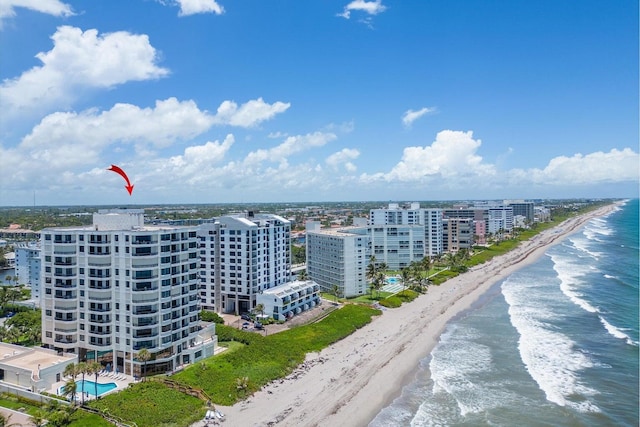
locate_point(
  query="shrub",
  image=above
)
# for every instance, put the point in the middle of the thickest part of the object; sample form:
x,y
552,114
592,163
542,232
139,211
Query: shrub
x,y
391,302
210,316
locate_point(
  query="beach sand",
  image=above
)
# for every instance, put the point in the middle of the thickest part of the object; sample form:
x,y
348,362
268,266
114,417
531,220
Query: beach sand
x,y
351,381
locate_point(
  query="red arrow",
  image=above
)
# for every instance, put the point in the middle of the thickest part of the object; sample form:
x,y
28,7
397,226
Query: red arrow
x,y
119,171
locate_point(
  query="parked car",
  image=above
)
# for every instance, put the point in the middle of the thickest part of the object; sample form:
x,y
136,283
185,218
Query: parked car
x,y
258,325
246,325
245,316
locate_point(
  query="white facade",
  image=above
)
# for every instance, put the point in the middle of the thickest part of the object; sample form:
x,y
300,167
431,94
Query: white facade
x,y
240,257
338,257
430,219
28,267
285,301
397,245
118,286
500,219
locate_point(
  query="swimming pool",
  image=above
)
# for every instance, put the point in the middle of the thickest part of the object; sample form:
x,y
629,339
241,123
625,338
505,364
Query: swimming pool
x,y
90,387
392,280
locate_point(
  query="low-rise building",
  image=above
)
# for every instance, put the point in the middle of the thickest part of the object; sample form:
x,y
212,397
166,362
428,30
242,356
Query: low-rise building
x,y
285,301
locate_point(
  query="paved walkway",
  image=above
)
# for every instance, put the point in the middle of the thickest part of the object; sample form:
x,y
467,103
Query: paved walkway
x,y
17,418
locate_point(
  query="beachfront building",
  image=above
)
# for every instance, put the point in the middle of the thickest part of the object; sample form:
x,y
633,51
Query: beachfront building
x,y
285,301
541,214
241,256
33,368
458,234
119,286
429,218
396,245
500,219
338,257
523,208
28,267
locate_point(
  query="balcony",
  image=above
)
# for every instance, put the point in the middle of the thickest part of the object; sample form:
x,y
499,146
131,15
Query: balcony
x,y
66,339
138,311
100,342
145,321
65,319
100,319
105,331
145,334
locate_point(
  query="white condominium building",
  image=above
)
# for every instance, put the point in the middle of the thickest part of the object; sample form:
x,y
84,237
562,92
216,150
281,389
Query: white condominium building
x,y
240,257
396,245
28,267
429,218
338,257
285,301
120,286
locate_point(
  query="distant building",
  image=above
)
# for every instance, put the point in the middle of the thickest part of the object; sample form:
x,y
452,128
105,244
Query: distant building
x,y
119,286
396,245
430,219
522,208
458,234
28,267
338,257
285,301
241,256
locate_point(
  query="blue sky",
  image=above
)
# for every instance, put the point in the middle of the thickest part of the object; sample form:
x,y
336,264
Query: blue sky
x,y
203,101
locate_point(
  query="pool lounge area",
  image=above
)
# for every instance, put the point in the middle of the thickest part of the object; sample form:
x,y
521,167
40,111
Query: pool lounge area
x,y
90,388
108,382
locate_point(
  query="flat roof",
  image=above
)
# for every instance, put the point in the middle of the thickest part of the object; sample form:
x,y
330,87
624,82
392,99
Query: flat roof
x,y
29,358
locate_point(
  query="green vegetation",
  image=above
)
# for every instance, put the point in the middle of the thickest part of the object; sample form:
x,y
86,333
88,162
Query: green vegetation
x,y
152,404
264,359
57,415
398,299
210,316
232,375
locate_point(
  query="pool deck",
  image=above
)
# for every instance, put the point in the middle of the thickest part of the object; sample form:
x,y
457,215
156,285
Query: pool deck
x,y
121,380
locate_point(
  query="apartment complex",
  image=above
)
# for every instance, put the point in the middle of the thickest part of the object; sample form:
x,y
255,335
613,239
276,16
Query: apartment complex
x,y
338,257
119,286
28,267
458,234
285,301
430,219
396,245
241,256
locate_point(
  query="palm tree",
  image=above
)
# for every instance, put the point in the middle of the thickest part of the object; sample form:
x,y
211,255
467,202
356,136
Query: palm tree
x,y
82,368
38,419
144,356
94,368
259,308
70,371
69,390
303,275
335,291
406,275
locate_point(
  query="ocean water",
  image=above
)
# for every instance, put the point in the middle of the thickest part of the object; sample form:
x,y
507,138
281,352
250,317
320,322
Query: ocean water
x,y
554,344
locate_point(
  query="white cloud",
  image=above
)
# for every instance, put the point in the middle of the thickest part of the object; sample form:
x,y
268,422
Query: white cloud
x,y
249,114
50,7
369,7
79,60
411,116
452,154
343,157
192,7
290,146
67,139
599,167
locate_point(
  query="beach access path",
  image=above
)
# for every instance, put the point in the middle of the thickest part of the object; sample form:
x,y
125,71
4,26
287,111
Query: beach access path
x,y
351,381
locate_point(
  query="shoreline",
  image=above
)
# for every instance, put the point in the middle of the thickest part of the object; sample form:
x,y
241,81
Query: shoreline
x,y
351,381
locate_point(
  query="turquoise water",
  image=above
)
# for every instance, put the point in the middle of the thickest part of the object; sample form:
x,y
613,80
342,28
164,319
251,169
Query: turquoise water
x,y
554,344
392,280
90,387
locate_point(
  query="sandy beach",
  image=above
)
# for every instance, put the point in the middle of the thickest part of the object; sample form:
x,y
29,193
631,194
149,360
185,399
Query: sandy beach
x,y
348,383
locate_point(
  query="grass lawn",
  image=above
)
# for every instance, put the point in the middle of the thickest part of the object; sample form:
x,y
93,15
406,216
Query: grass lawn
x,y
255,357
265,359
152,404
